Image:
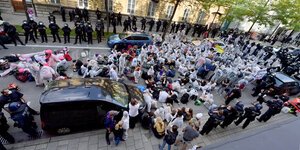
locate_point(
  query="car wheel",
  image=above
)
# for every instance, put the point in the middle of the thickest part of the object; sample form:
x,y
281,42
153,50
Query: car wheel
x,y
62,131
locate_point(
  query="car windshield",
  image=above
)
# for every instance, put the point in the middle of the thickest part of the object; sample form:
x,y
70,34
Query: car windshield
x,y
123,35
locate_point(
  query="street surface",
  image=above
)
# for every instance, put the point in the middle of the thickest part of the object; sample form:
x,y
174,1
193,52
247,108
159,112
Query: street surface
x,y
93,140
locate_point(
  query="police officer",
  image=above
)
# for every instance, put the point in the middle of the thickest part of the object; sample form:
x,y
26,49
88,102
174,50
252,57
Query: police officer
x,y
12,33
98,31
233,113
188,28
134,19
33,25
102,26
216,116
85,14
165,23
98,14
143,21
151,23
196,26
78,12
83,31
89,31
67,32
129,22
51,17
125,24
54,31
27,31
23,119
78,31
182,26
76,19
63,13
172,27
119,19
177,27
250,114
71,15
200,30
42,29
4,128
1,16
158,24
114,24
275,107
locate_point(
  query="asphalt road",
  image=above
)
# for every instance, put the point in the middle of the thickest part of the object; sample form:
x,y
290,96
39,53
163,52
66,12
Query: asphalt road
x,y
30,91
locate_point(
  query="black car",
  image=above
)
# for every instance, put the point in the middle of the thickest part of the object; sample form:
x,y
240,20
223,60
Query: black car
x,y
83,103
284,84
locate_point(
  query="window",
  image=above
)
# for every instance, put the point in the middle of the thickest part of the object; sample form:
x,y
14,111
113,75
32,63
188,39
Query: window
x,y
83,4
55,1
201,17
140,38
151,9
131,6
110,5
129,38
169,11
186,14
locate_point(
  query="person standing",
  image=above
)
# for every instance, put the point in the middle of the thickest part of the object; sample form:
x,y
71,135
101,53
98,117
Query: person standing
x,y
85,14
83,31
125,125
1,16
134,106
233,114
215,117
89,31
143,21
134,20
67,32
71,15
12,33
51,17
177,27
188,28
165,23
250,114
102,27
172,27
189,134
114,24
151,23
98,14
63,13
109,124
28,31
170,137
42,30
98,31
119,19
78,32
274,108
196,26
158,24
78,12
4,128
54,31
129,22
125,24
33,25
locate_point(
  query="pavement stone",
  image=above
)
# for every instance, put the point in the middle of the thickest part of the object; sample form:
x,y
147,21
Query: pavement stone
x,y
52,146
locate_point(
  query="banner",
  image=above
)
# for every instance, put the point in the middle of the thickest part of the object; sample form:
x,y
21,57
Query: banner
x,y
260,74
220,49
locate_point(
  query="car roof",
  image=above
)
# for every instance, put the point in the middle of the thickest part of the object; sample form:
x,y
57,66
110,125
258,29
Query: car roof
x,y
80,90
135,33
283,77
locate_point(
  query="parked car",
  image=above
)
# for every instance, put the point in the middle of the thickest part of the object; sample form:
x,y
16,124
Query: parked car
x,y
129,38
284,83
83,103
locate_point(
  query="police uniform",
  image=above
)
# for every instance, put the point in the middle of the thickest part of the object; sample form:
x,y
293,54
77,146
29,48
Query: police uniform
x,y
158,24
134,21
54,31
12,33
143,23
28,32
114,24
212,122
196,26
98,14
42,29
33,25
51,18
165,23
98,31
78,31
67,32
85,14
83,31
63,13
151,23
119,19
274,108
4,128
172,27
125,24
89,31
250,114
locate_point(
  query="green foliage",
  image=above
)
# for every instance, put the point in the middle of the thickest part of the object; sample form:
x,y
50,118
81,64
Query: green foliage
x,y
288,13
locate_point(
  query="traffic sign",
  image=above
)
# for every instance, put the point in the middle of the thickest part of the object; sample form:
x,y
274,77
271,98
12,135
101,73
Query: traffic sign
x,y
30,11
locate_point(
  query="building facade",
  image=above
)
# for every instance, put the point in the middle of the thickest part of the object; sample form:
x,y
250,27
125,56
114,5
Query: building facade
x,y
187,11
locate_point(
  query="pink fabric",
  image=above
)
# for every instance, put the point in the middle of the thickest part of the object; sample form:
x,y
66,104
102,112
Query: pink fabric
x,y
46,72
52,60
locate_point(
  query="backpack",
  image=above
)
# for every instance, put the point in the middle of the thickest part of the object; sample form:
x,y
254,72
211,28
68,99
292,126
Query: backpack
x,y
185,98
68,57
170,138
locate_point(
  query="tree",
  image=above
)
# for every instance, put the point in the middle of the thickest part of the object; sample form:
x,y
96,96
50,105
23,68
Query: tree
x,y
219,4
172,16
107,17
287,12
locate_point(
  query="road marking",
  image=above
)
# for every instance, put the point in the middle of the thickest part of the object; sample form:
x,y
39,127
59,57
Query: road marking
x,y
56,46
